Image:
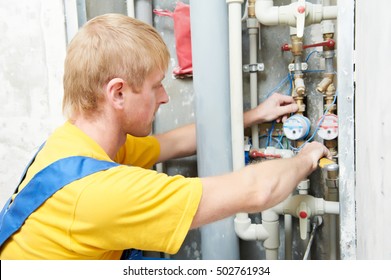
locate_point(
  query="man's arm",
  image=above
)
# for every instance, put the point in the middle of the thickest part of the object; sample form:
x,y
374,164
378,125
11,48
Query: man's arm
x,y
256,187
177,143
276,107
181,142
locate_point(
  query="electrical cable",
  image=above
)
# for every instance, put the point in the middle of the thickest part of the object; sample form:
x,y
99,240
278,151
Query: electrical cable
x,y
308,249
317,127
310,54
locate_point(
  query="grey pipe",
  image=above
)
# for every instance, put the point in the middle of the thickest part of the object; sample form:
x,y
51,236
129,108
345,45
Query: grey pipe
x,y
209,27
253,40
143,11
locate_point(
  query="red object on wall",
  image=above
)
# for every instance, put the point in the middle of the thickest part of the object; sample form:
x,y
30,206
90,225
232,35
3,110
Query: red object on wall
x,y
181,17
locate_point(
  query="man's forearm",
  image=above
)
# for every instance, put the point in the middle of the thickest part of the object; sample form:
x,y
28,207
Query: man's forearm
x,y
177,143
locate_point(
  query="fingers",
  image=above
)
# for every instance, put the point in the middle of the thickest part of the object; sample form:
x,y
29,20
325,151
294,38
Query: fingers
x,y
285,105
315,151
283,99
291,108
281,119
327,153
277,107
285,110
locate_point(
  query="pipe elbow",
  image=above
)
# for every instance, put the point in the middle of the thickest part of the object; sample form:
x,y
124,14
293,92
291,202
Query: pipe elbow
x,y
245,230
266,13
315,13
234,1
330,12
331,207
324,84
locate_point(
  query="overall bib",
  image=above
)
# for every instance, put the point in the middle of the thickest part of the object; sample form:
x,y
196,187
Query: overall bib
x,y
43,185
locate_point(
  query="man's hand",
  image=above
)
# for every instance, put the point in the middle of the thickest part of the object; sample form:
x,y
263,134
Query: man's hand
x,y
315,151
277,107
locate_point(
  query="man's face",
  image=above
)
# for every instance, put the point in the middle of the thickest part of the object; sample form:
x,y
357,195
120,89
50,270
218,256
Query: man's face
x,y
142,106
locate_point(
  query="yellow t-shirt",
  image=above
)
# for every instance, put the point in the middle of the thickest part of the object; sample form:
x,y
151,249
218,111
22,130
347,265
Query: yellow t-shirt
x,y
100,215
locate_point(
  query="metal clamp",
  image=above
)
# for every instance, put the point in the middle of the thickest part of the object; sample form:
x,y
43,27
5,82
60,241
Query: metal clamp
x,y
253,68
297,66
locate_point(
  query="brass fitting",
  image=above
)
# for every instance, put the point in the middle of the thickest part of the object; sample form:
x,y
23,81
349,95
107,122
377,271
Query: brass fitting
x,y
325,83
329,98
299,84
328,36
251,8
297,45
330,90
300,103
332,146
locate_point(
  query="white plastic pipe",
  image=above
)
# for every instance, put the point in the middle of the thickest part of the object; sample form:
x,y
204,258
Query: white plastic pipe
x,y
236,81
316,205
268,231
243,227
331,207
268,14
253,30
248,231
288,236
130,8
236,98
288,229
72,25
270,220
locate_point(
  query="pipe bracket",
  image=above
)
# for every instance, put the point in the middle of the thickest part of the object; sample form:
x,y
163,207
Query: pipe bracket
x,y
253,68
297,66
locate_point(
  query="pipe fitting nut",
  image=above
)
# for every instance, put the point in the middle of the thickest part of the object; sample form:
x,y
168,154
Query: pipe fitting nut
x,y
324,84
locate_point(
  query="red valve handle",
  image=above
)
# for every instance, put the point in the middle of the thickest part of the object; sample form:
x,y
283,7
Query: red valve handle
x,y
257,154
303,214
329,43
285,47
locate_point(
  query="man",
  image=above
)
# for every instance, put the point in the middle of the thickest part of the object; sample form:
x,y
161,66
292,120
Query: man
x,y
112,89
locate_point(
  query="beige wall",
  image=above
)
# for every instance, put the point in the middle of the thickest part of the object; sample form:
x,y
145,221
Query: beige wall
x,y
32,51
373,129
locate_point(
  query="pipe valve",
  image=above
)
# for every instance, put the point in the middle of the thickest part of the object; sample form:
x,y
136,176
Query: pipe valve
x,y
300,18
330,43
303,213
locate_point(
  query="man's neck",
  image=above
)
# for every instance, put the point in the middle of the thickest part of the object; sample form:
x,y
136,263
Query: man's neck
x,y
103,132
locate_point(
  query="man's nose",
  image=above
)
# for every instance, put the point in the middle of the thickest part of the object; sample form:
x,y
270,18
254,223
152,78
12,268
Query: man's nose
x,y
164,98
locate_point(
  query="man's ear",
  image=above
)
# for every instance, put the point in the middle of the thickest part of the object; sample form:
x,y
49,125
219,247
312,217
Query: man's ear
x,y
114,92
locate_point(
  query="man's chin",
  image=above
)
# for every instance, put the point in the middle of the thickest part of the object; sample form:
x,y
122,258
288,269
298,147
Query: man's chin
x,y
142,133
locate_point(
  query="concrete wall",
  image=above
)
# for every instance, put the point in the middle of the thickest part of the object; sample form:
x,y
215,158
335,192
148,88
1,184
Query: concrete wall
x,y
373,129
32,51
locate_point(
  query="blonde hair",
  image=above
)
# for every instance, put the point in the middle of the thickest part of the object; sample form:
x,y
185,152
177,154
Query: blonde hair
x,y
106,47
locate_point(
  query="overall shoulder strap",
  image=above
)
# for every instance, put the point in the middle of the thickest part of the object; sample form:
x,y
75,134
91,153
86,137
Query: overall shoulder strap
x,y
42,186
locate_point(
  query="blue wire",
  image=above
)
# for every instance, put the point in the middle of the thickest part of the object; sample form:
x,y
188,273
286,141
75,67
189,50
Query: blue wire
x,y
313,71
317,127
287,78
310,54
290,84
278,140
281,138
281,84
271,133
